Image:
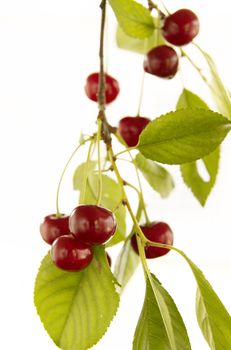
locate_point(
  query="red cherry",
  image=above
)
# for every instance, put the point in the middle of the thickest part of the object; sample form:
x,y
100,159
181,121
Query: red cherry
x,y
161,61
70,254
158,232
111,87
130,129
52,227
180,27
92,224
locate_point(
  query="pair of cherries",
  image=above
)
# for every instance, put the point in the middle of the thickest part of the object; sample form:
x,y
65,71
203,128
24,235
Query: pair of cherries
x,y
179,29
72,237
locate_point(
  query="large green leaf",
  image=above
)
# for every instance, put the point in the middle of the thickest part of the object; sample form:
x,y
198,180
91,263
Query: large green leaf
x,y
213,318
126,264
160,325
191,176
183,136
157,176
141,46
135,20
219,93
76,308
111,197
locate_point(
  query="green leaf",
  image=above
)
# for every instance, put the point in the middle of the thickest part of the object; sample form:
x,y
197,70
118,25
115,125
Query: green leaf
x,y
183,136
135,19
126,264
79,174
111,198
141,46
189,99
157,176
213,318
76,308
160,325
199,187
219,92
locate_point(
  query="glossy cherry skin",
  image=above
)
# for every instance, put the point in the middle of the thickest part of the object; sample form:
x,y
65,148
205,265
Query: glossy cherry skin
x,y
111,87
180,27
130,129
161,61
92,224
158,232
70,254
53,227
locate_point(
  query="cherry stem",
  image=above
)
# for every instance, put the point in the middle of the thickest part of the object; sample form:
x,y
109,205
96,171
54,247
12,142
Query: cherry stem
x,y
141,93
138,177
99,162
126,150
101,89
85,178
153,6
58,214
126,201
198,69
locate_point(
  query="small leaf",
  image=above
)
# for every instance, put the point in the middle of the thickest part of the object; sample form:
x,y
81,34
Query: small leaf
x,y
111,197
220,94
213,318
79,174
189,99
199,187
158,177
160,324
126,264
141,46
76,308
135,19
183,136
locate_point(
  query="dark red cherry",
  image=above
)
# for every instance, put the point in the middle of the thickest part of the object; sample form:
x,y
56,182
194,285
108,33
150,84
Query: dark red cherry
x,y
161,61
130,129
158,232
70,254
52,227
92,224
111,87
180,27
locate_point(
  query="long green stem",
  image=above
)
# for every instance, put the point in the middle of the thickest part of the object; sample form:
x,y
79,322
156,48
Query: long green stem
x,y
127,149
141,238
99,121
83,192
127,203
198,69
58,214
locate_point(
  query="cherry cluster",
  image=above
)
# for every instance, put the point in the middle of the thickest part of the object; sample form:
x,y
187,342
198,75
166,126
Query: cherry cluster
x,y
72,237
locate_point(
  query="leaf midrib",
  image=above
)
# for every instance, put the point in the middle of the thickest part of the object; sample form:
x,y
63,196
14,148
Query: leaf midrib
x,y
173,346
170,139
71,304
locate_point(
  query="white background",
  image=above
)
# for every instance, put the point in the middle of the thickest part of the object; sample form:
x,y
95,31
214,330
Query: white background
x,y
47,48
